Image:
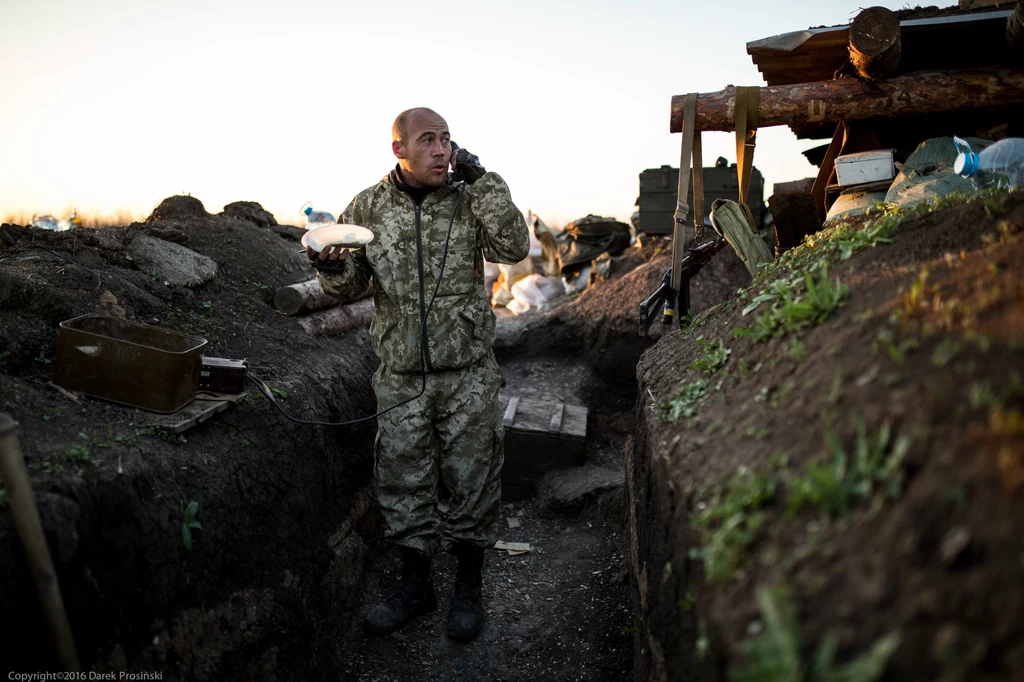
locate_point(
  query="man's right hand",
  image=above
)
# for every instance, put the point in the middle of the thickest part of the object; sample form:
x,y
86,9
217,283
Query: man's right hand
x,y
329,253
329,261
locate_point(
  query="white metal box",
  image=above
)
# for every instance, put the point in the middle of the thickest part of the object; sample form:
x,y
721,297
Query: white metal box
x,y
855,169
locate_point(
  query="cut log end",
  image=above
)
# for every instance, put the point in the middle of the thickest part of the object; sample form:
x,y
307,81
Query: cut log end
x,y
874,42
302,297
1015,29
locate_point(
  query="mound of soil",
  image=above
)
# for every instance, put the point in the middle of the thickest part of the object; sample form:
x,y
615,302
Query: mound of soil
x,y
180,207
251,211
920,372
287,530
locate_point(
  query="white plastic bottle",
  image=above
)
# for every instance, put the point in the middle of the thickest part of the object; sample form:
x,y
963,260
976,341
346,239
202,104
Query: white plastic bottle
x,y
1001,165
316,218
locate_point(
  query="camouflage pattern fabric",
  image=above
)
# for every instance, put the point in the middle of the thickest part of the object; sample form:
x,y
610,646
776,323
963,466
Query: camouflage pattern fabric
x,y
452,430
460,323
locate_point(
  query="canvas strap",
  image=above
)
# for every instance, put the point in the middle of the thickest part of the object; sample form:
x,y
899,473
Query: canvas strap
x,y
745,112
682,209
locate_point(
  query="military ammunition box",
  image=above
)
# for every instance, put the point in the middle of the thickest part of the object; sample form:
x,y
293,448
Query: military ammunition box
x,y
128,362
657,200
540,435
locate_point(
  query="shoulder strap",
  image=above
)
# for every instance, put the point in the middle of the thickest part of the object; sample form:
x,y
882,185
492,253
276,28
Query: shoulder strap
x,y
746,110
682,210
698,190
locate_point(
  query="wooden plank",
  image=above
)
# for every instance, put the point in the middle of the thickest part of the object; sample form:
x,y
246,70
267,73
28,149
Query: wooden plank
x,y
193,414
510,413
556,419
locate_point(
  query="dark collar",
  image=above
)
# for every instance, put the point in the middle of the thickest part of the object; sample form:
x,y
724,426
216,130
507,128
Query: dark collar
x,y
418,194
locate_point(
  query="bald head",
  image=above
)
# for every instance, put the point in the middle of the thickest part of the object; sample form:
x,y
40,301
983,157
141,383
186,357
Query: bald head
x,y
400,128
422,144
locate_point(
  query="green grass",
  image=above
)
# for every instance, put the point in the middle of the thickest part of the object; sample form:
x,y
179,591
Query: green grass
x,y
776,655
897,351
795,307
734,517
685,403
78,453
735,509
713,357
188,522
839,482
796,351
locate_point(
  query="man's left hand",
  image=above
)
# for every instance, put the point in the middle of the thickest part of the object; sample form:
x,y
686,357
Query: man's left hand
x,y
468,165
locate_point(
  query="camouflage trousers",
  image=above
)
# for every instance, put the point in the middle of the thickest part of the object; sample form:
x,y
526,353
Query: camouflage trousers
x,y
451,431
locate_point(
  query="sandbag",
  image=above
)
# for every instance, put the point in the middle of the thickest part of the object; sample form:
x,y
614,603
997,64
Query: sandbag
x,y
584,240
928,172
736,225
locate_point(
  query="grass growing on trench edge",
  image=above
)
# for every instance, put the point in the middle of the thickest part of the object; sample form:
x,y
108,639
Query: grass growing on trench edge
x,y
799,291
737,506
775,655
795,307
787,283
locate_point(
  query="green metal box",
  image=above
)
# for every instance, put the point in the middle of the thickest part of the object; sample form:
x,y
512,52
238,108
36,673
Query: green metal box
x,y
128,362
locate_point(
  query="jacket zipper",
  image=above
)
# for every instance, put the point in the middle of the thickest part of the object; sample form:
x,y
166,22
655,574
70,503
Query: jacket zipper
x,y
424,348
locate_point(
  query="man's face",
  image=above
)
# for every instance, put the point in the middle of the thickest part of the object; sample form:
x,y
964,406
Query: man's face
x,y
424,155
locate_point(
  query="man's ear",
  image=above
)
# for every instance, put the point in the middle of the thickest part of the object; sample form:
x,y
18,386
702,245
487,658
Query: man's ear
x,y
396,147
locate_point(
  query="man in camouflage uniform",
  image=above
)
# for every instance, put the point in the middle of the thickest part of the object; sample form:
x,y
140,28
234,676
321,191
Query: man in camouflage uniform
x,y
433,329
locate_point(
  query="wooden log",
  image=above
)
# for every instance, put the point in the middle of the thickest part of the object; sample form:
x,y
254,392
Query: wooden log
x,y
981,4
302,297
874,43
1015,29
921,92
339,319
30,530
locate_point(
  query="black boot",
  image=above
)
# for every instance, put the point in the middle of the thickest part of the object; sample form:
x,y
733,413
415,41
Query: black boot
x,y
466,616
414,597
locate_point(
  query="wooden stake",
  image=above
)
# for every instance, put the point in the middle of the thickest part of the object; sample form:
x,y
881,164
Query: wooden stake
x,y
30,530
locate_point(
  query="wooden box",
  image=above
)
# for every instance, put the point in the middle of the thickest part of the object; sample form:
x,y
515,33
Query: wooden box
x,y
657,200
540,435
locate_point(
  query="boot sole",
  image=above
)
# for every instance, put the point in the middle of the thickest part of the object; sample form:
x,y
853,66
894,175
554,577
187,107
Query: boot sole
x,y
427,605
464,635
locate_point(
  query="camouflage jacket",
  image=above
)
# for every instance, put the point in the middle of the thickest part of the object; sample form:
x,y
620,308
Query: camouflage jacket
x,y
459,324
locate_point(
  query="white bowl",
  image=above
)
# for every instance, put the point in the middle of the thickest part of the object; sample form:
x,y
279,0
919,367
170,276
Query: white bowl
x,y
349,236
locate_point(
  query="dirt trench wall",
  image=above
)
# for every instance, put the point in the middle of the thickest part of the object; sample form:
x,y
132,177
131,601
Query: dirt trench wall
x,y
601,323
921,363
287,529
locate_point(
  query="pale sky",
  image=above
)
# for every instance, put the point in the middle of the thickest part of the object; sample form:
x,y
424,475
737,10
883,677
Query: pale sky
x,y
112,106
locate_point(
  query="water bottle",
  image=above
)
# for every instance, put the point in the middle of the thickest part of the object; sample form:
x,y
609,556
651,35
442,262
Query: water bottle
x,y
1001,165
47,222
316,218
